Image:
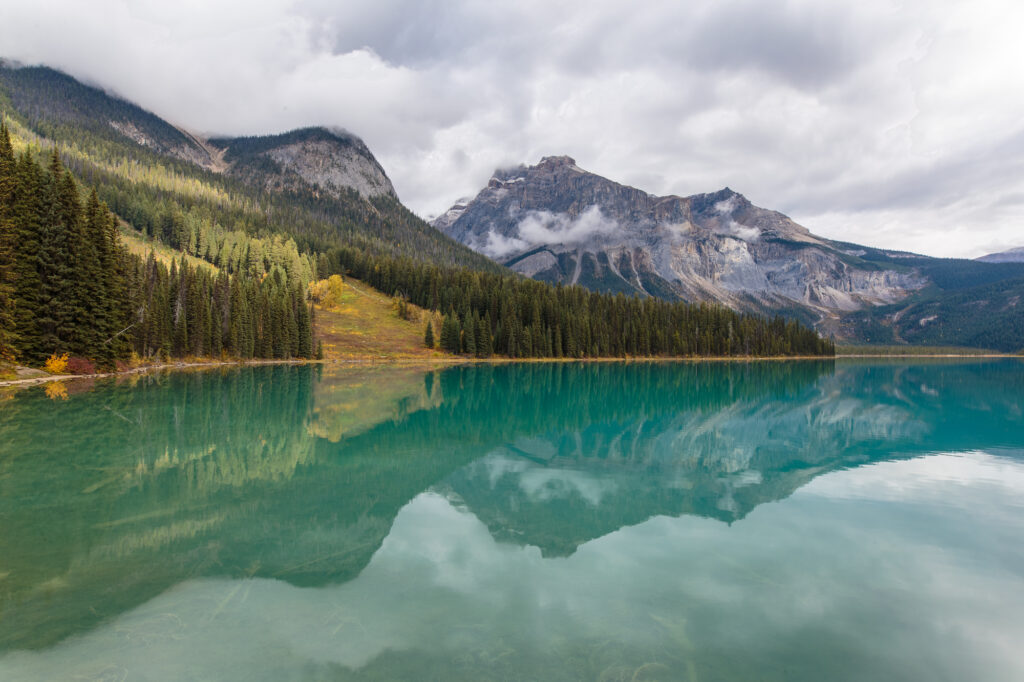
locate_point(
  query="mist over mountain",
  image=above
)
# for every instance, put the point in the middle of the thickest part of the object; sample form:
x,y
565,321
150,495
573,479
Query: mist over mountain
x,y
1009,256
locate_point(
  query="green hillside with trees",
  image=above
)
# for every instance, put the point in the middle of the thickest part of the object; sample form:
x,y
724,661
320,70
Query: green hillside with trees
x,y
68,285
266,247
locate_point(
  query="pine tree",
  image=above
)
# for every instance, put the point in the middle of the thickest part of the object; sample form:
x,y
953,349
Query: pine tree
x,y
450,334
428,335
469,336
305,330
26,211
7,247
484,345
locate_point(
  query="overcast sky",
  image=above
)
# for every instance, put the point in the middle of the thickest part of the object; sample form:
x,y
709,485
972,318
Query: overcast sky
x,y
894,124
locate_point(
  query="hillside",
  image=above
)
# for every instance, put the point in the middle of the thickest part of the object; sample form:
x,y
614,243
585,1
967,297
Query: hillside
x,y
356,322
146,168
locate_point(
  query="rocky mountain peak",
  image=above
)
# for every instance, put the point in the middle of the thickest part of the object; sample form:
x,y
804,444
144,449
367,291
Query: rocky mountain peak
x,y
321,159
559,223
556,161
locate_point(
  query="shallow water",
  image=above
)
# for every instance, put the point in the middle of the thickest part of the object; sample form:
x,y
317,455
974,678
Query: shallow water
x,y
768,521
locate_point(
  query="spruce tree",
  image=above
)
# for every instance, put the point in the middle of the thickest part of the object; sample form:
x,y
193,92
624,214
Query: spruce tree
x,y
469,336
26,211
7,247
305,326
484,346
428,335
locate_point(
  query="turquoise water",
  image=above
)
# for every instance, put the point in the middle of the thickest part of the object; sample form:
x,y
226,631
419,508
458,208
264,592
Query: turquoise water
x,y
763,521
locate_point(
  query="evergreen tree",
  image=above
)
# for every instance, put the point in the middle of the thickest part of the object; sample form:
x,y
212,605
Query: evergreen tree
x,y
450,334
484,345
469,336
7,247
428,335
305,331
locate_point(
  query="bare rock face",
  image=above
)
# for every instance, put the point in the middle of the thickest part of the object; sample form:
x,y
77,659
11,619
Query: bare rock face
x,y
334,167
559,223
317,159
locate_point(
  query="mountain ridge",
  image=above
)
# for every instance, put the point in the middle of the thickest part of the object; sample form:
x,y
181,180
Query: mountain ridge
x,y
337,194
1015,255
557,222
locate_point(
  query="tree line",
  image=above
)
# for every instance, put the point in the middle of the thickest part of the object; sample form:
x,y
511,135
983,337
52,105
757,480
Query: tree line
x,y
68,285
503,314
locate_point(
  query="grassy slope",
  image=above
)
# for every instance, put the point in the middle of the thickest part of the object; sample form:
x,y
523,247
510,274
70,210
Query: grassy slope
x,y
362,323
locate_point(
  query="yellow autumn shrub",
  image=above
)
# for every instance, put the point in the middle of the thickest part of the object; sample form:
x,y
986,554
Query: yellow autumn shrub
x,y
57,364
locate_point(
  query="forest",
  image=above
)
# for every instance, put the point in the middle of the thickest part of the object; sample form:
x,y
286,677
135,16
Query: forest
x,y
68,286
522,318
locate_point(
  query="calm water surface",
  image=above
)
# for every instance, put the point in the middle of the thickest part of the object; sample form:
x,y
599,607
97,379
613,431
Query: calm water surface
x,y
764,521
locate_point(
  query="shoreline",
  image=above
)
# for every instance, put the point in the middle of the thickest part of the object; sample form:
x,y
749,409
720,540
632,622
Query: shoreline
x,y
213,364
456,360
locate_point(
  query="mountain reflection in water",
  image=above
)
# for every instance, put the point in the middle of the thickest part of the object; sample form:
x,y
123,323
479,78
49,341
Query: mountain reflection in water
x,y
273,480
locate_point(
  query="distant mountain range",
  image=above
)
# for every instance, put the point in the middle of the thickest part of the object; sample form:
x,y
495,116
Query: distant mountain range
x,y
1009,256
559,223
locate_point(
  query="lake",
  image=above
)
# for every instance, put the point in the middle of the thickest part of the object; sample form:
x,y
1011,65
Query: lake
x,y
833,520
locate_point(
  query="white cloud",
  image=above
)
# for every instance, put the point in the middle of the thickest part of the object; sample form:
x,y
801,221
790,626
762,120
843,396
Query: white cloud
x,y
725,208
895,124
499,246
544,227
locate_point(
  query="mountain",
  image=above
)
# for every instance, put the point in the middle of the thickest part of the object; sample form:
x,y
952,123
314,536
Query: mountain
x,y
316,158
57,106
300,159
559,223
324,188
1009,256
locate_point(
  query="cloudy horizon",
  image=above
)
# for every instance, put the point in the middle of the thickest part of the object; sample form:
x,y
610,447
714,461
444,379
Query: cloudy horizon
x,y
891,124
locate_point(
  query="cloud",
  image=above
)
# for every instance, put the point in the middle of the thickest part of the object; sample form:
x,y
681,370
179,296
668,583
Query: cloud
x,y
543,227
896,124
498,246
725,208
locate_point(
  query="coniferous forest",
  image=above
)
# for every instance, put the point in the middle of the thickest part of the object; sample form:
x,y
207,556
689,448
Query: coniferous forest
x,y
487,314
67,285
